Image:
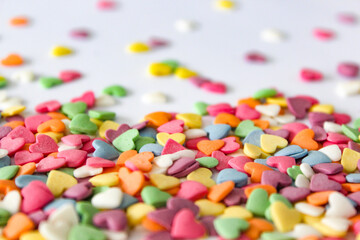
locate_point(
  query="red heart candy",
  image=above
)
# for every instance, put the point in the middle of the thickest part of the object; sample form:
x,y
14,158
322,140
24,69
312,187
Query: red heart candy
x,y
310,75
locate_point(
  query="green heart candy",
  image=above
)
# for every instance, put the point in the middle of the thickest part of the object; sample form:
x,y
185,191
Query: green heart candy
x,y
350,132
69,171
294,171
244,128
102,115
8,172
141,141
275,197
4,216
126,141
49,82
86,211
200,108
265,93
85,232
115,90
72,109
173,64
3,82
154,196
357,123
258,202
81,124
230,228
275,236
208,162
99,189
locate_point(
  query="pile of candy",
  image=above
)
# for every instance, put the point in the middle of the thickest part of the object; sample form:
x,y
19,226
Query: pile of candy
x,y
245,172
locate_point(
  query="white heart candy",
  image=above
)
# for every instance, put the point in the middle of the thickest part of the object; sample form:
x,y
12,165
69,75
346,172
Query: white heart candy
x,y
340,206
303,230
272,121
307,170
309,209
63,147
154,98
66,213
67,126
105,101
271,35
155,169
270,110
183,153
332,151
195,133
338,224
286,118
332,127
109,199
207,121
23,76
11,202
185,26
10,102
113,235
301,181
163,161
3,152
58,230
86,171
348,88
3,95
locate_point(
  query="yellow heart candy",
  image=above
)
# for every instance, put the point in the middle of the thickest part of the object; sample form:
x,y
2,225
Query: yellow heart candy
x,y
254,152
106,179
31,235
349,160
107,125
225,4
96,121
14,110
191,120
58,182
59,51
279,101
284,218
269,143
163,137
311,219
324,108
164,182
137,212
208,208
138,47
184,73
202,175
160,69
327,231
237,212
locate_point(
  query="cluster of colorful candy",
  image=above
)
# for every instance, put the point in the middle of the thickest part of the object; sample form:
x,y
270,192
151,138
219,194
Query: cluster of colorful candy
x,y
68,174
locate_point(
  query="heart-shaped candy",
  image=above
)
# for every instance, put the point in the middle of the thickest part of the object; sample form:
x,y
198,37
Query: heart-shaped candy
x,y
126,141
35,196
131,182
298,106
284,218
185,226
108,199
114,220
44,144
269,143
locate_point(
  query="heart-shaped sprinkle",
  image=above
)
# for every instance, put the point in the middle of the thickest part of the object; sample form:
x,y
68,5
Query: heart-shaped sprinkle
x,y
185,226
298,106
320,182
114,220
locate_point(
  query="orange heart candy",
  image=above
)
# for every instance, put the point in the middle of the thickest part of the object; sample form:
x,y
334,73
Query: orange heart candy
x,y
52,125
7,186
256,170
268,188
304,139
227,118
156,119
258,226
220,191
250,102
12,60
318,198
125,156
18,224
141,161
207,146
131,182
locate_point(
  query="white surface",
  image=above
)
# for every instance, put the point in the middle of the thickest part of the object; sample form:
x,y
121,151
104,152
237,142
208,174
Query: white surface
x,y
215,49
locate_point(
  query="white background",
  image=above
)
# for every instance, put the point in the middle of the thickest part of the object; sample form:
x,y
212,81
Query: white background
x,y
216,49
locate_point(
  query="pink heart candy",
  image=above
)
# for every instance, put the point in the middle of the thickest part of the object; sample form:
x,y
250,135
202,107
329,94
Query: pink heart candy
x,y
174,126
185,226
198,81
38,216
176,203
35,196
239,162
337,138
192,143
223,160
79,191
12,145
214,87
340,177
244,112
140,125
4,131
79,34
230,145
276,179
347,18
24,157
98,162
157,42
69,75
113,220
342,118
111,134
163,217
321,182
295,194
171,146
22,132
75,139
48,106
106,4
282,163
73,157
323,34
33,122
309,98
255,57
215,109
298,106
14,118
88,147
294,128
310,75
87,97
50,163
163,235
44,144
355,196
182,167
354,146
348,69
192,190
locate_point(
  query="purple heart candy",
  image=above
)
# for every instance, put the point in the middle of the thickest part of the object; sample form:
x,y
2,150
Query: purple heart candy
x,y
235,197
113,220
275,179
163,217
79,191
111,134
176,203
4,131
328,168
182,167
354,146
294,194
318,118
321,182
320,133
281,132
163,235
208,222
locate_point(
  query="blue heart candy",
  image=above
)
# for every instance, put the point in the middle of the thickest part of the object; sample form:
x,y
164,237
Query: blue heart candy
x,y
155,148
316,157
104,150
229,174
253,137
217,131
